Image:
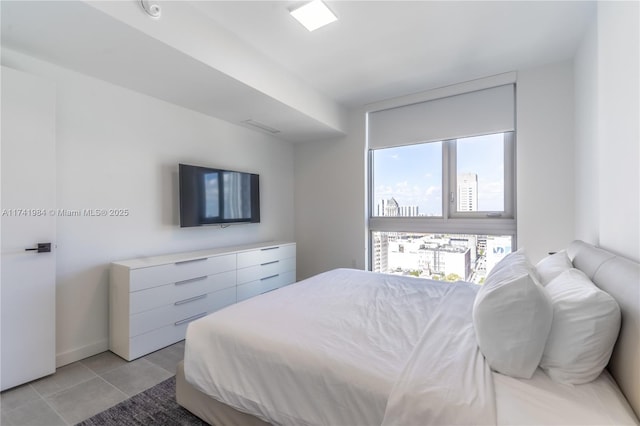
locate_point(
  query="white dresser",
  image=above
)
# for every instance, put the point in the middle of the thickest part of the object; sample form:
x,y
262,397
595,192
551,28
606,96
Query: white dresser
x,y
153,299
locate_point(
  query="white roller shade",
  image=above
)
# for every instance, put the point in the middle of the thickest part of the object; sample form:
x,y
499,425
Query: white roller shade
x,y
470,114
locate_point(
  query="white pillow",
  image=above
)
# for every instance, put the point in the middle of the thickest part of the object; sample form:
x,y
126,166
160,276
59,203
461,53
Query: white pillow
x,y
515,261
552,266
586,322
512,317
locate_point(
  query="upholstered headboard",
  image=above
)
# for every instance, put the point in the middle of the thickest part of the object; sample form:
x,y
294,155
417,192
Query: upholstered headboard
x,y
620,277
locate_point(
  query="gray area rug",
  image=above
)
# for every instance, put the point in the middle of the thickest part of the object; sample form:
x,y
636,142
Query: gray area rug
x,y
155,406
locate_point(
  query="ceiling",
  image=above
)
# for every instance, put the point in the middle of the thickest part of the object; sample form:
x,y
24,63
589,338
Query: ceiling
x,y
383,49
240,60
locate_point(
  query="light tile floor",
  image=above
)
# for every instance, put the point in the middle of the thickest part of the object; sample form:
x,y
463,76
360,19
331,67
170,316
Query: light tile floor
x,y
80,390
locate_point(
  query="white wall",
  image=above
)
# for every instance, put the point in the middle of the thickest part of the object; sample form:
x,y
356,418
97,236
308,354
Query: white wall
x,y
331,179
330,201
608,130
545,169
119,149
618,132
587,172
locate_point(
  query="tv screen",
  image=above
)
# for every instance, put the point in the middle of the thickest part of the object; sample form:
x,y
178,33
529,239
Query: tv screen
x,y
215,196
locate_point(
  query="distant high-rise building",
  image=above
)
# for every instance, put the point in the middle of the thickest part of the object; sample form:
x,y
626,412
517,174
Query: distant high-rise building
x,y
391,207
380,252
410,211
467,192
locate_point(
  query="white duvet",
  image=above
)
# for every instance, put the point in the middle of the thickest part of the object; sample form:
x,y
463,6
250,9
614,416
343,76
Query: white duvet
x,y
347,347
446,380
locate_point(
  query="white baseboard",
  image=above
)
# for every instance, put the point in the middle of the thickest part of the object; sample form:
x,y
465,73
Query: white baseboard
x,y
77,354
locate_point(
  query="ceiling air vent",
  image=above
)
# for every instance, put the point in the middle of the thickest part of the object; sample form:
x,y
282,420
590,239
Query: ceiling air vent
x,y
261,126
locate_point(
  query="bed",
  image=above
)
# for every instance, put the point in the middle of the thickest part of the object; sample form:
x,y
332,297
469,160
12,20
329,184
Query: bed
x,y
351,347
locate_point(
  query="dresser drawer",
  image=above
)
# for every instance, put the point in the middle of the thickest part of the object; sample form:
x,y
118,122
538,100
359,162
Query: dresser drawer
x,y
265,270
264,285
143,278
265,255
149,342
178,311
168,294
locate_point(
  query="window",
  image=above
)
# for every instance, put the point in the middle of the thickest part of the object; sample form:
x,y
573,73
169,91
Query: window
x,y
411,221
408,180
481,169
443,257
443,208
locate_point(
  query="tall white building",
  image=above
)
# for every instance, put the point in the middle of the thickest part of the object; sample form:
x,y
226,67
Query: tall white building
x,y
391,207
467,192
380,252
381,240
388,207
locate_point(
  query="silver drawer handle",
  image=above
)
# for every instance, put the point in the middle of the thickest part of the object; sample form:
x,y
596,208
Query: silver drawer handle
x,y
269,248
191,299
269,263
195,317
269,277
182,262
190,280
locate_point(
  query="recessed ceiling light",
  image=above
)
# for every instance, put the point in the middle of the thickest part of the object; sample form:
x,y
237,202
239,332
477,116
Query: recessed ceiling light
x,y
313,15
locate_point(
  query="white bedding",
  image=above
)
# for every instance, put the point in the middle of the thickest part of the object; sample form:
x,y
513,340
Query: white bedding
x,y
336,363
446,380
541,401
357,348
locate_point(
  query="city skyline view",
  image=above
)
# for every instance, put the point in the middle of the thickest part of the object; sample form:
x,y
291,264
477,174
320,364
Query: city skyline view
x,y
412,174
445,257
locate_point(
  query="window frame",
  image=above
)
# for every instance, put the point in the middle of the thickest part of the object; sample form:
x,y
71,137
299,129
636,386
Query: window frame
x,y
509,179
451,221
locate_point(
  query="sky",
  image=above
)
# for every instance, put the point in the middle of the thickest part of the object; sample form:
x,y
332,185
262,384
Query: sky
x,y
413,174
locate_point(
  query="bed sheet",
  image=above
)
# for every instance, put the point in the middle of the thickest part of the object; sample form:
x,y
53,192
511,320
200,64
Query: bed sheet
x,y
541,401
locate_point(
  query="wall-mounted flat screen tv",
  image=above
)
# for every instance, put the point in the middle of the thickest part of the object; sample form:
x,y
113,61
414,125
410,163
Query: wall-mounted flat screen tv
x,y
215,196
